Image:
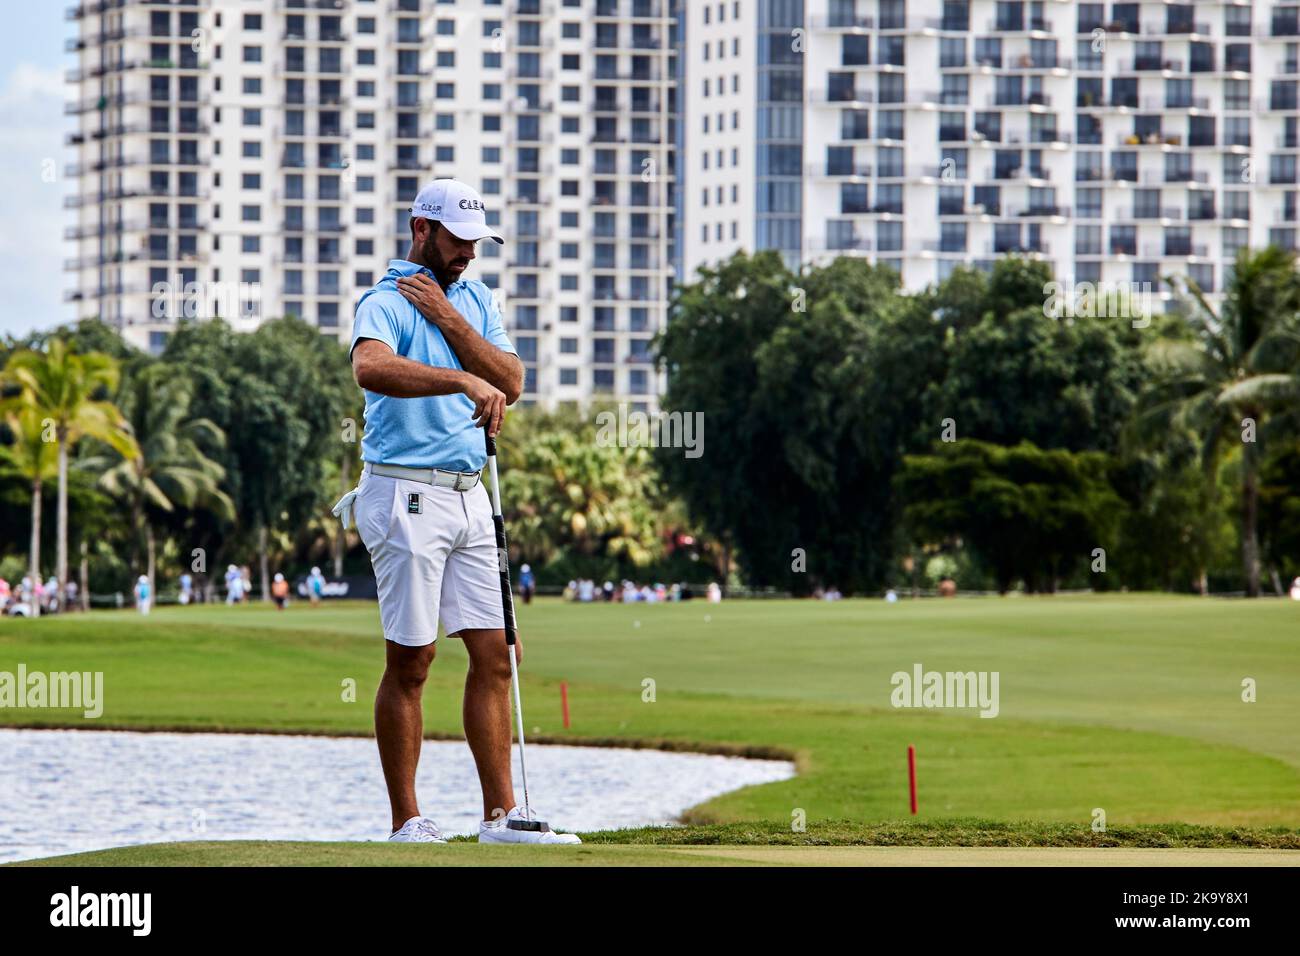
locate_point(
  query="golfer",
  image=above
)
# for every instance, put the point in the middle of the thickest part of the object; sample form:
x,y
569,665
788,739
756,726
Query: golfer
x,y
430,352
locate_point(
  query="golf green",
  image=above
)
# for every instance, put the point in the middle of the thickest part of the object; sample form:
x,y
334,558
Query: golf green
x,y
1131,705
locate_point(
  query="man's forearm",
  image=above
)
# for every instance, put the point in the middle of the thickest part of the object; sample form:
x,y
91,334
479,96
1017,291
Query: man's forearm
x,y
480,357
400,377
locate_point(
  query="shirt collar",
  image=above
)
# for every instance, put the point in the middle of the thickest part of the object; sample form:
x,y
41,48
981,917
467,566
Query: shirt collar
x,y
405,267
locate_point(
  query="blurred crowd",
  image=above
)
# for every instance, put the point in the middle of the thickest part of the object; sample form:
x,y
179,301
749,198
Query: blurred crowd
x,y
17,599
586,591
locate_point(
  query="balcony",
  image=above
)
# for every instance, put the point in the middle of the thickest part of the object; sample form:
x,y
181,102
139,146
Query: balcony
x,y
1003,247
1151,64
1158,212
1027,99
842,169
1019,25
1042,212
1174,248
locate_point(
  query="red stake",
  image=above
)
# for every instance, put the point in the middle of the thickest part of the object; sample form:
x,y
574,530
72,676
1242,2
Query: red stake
x,y
911,776
564,702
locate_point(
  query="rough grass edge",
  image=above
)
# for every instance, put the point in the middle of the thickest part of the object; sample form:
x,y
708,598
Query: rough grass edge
x,y
943,833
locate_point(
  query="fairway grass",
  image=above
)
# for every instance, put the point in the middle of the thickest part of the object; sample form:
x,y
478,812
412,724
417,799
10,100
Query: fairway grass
x,y
1130,705
257,853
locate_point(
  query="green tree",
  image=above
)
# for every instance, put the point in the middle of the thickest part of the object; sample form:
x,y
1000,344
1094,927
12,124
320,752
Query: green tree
x,y
1018,373
63,387
280,395
1030,514
172,470
1279,509
570,494
1224,376
808,389
32,456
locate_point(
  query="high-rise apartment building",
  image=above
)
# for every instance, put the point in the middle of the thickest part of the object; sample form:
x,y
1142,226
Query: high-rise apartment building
x,y
1121,142
254,158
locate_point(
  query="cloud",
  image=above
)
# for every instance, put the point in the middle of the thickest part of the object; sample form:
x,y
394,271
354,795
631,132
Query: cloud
x,y
32,187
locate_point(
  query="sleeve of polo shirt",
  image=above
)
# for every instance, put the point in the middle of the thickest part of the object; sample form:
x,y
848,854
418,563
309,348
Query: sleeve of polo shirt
x,y
494,331
376,319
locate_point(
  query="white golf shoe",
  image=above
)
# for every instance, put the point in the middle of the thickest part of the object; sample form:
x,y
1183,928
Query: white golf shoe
x,y
510,829
418,830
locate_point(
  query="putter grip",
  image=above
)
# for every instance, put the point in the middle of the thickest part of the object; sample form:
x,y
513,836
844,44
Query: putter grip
x,y
491,444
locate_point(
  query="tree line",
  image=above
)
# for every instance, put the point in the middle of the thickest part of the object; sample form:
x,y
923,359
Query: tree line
x,y
854,436
863,437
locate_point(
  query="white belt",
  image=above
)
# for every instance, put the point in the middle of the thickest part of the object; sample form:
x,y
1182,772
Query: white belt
x,y
456,480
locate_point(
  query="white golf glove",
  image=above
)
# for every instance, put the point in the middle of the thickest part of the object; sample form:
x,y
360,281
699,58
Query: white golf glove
x,y
343,510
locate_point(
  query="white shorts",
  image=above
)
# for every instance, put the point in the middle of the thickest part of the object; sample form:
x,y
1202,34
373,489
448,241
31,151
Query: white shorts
x,y
434,552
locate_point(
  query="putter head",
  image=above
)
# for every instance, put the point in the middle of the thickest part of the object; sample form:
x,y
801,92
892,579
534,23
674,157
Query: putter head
x,y
536,826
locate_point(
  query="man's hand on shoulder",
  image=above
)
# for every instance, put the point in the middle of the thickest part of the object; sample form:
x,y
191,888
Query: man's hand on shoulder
x,y
423,292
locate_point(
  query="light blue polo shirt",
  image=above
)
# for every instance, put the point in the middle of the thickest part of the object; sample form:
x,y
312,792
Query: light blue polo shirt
x,y
436,431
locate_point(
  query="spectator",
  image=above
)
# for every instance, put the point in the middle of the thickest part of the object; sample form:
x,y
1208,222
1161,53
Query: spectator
x,y
280,592
234,585
714,592
607,591
315,586
142,594
526,585
71,595
586,590
187,588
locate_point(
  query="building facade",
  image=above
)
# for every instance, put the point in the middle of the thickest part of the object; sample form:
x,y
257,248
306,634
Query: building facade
x,y
1121,142
255,158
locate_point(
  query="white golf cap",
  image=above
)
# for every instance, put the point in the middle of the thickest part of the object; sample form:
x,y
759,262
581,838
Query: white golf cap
x,y
456,206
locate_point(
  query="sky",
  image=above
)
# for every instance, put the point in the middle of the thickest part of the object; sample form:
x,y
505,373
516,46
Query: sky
x,y
32,159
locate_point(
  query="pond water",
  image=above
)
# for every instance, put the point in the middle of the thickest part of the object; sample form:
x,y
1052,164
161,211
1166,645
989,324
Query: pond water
x,y
65,791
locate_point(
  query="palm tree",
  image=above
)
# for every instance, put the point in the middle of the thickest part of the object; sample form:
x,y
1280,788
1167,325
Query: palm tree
x,y
171,468
568,494
32,456
61,386
1224,378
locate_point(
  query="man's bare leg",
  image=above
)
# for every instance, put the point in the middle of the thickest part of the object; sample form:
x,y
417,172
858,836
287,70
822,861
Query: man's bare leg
x,y
399,724
486,713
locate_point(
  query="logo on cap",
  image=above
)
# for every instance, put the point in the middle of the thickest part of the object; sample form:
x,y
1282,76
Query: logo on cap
x,y
471,204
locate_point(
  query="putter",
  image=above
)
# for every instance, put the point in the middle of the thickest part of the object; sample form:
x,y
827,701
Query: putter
x,y
508,607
